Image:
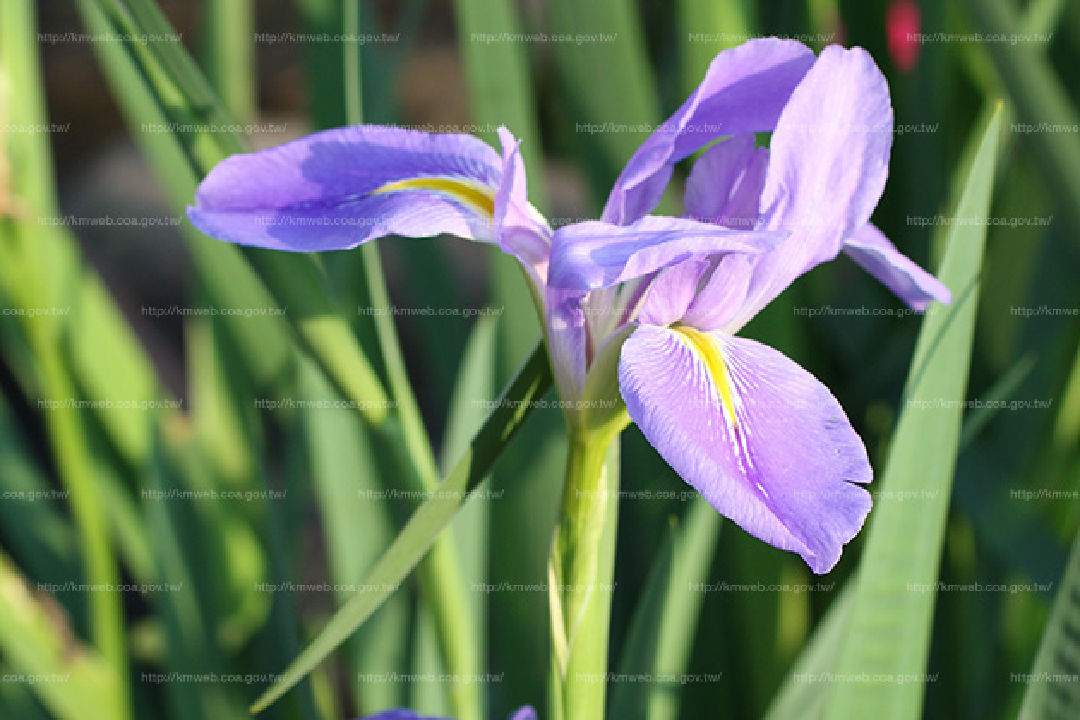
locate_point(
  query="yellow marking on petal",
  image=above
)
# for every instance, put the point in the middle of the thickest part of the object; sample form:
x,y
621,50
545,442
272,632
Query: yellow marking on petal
x,y
709,351
477,196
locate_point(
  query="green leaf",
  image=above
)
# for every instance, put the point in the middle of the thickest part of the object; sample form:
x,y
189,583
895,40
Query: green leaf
x,y
639,655
48,277
806,689
1039,97
220,402
427,695
262,339
36,641
707,27
499,84
18,699
177,537
888,633
995,398
662,630
41,538
230,54
501,93
1051,690
440,576
474,389
425,525
159,80
109,363
357,526
609,88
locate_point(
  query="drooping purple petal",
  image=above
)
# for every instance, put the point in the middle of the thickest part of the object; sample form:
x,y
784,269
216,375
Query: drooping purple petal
x,y
828,161
338,188
761,439
876,255
519,228
725,183
595,254
744,91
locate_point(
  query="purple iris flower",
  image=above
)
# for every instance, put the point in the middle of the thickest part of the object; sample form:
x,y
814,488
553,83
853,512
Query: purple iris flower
x,y
522,713
759,437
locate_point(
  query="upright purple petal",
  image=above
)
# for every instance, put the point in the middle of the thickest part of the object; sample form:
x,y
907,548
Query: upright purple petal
x,y
876,255
672,291
829,154
744,91
725,183
524,713
594,254
722,295
764,442
338,188
828,161
519,228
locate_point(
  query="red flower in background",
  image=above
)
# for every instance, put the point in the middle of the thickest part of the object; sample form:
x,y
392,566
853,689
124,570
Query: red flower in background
x,y
902,24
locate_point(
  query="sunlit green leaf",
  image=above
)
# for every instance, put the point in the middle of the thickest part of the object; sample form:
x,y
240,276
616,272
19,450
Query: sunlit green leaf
x,y
888,632
425,525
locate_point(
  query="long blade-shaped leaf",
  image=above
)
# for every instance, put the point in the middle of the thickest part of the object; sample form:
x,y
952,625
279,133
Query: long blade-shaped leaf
x,y
888,632
607,77
418,535
475,386
230,54
707,27
805,690
49,273
1052,691
1040,100
662,630
162,72
37,644
357,526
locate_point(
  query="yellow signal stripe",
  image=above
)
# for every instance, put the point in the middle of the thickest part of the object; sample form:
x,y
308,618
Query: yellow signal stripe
x,y
475,195
709,351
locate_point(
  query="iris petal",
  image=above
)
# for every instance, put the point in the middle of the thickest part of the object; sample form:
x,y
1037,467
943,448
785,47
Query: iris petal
x,y
876,255
760,438
744,91
720,298
828,161
591,255
338,188
725,183
670,294
521,230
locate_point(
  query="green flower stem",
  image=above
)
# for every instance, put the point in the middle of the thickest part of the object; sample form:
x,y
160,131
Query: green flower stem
x,y
580,577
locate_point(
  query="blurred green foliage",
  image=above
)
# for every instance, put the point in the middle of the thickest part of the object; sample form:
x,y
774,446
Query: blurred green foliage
x,y
168,555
